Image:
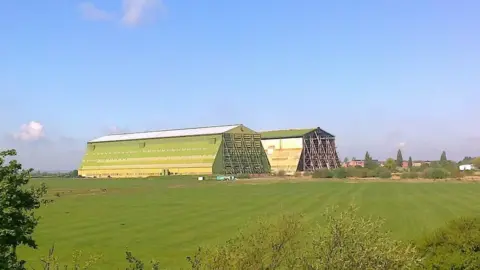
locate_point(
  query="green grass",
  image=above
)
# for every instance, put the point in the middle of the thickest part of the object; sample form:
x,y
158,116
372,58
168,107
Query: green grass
x,y
168,218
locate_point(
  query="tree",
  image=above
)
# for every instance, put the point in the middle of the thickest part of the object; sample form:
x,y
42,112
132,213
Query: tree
x,y
466,160
453,246
390,164
367,156
399,158
476,162
345,160
443,158
410,162
17,203
368,161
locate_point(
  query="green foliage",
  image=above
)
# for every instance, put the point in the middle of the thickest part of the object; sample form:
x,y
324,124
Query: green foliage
x,y
322,173
39,174
271,245
349,241
454,246
384,173
357,172
443,158
367,156
51,262
136,264
436,173
410,162
372,173
345,160
466,160
17,205
74,173
343,240
390,164
339,173
476,162
418,169
399,160
409,175
369,163
424,166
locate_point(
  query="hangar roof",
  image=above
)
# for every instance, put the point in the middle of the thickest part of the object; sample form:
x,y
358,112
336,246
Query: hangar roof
x,y
165,133
286,133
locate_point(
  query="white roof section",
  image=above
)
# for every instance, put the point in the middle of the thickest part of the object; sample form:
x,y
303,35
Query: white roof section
x,y
165,134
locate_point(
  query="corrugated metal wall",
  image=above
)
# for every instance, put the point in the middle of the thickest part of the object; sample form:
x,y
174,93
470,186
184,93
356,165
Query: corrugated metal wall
x,y
143,158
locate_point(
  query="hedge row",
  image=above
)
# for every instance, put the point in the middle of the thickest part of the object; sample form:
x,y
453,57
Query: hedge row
x,y
429,173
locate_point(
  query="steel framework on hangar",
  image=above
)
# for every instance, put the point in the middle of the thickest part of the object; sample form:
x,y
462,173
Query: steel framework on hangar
x,y
318,149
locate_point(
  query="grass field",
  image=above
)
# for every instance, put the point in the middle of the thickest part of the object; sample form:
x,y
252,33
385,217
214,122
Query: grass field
x,y
168,218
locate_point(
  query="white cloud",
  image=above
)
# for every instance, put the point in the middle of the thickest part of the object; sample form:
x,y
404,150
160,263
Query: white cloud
x,y
30,132
91,12
137,11
402,145
134,12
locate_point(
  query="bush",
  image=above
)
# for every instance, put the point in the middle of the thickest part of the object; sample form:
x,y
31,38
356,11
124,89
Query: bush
x,y
417,169
436,173
371,173
409,175
340,173
322,173
383,173
349,241
454,246
270,246
357,172
51,262
343,240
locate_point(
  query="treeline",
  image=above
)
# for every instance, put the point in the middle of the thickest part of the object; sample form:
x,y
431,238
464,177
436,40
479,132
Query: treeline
x,y
40,174
440,169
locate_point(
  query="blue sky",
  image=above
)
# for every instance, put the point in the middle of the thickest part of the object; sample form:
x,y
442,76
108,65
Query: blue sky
x,y
378,74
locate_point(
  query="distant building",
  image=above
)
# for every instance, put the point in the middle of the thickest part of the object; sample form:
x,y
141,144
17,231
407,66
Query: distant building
x,y
466,167
356,162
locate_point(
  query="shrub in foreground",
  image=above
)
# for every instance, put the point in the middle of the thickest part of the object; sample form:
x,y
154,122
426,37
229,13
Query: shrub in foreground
x,y
344,241
349,241
455,246
271,245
